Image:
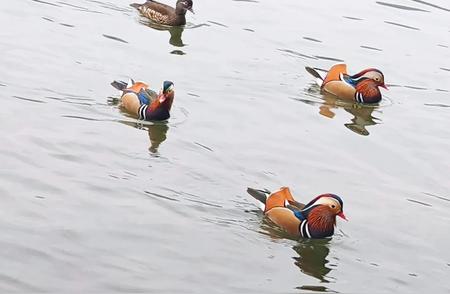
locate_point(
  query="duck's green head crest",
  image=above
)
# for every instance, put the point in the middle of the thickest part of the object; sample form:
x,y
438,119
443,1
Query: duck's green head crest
x,y
167,87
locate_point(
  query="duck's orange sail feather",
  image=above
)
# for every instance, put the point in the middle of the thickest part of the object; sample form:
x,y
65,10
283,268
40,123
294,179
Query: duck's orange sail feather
x,y
334,74
278,199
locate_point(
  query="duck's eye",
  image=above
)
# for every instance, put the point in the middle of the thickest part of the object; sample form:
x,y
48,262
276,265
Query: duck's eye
x,y
333,206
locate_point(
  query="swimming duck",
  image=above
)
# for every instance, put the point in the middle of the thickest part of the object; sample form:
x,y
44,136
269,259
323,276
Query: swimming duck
x,y
145,103
164,14
362,87
313,220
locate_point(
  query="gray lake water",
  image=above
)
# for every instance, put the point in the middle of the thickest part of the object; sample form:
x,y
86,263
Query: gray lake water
x,y
94,202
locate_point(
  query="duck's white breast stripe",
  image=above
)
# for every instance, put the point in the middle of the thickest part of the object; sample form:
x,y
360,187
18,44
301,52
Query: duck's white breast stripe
x,y
304,229
307,230
142,112
301,228
359,97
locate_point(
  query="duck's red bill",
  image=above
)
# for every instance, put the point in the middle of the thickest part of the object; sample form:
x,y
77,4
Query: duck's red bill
x,y
384,86
342,215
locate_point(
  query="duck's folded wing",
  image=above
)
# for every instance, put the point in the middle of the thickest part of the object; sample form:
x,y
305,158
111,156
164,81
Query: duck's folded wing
x,y
335,72
155,10
152,95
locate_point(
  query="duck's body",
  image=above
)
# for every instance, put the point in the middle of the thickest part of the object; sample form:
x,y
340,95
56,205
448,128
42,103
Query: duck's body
x,y
313,220
362,87
146,104
165,14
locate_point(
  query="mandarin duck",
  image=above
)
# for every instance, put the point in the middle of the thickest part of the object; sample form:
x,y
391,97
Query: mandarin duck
x,y
164,14
362,87
314,220
146,104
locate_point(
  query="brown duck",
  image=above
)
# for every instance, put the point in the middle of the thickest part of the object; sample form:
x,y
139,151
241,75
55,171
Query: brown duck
x,y
164,14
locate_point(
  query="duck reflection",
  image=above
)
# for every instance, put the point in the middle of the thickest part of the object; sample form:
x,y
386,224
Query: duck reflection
x,y
312,254
176,33
157,133
362,114
312,257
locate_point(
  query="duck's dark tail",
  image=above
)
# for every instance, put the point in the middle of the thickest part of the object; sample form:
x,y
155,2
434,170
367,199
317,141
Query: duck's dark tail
x,y
135,5
260,195
313,72
121,85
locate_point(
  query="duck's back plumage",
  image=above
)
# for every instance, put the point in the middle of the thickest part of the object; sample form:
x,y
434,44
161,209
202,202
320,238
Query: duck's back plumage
x,y
160,13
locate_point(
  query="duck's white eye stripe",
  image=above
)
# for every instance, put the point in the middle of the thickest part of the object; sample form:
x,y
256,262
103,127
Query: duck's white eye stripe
x,y
326,200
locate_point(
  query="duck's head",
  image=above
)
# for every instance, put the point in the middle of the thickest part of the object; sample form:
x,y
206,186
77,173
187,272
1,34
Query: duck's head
x,y
373,74
330,205
184,5
167,92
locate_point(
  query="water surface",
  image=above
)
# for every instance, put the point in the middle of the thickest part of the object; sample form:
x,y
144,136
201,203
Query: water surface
x,y
94,201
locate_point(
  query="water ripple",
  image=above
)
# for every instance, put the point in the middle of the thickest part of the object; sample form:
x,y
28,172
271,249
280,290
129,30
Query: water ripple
x,y
67,25
297,54
29,99
352,18
204,146
328,58
431,5
115,38
218,23
419,202
46,3
312,39
402,25
403,7
17,284
436,196
437,105
80,8
371,48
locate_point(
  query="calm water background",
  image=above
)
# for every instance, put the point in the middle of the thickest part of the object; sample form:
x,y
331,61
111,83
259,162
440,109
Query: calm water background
x,y
94,202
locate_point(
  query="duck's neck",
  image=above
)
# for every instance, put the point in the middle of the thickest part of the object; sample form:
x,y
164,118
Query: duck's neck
x,y
180,10
166,104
